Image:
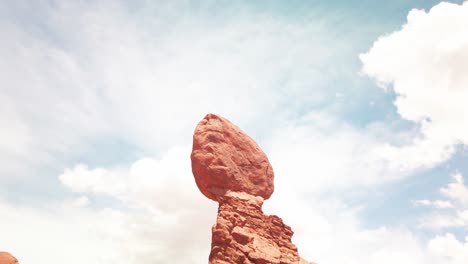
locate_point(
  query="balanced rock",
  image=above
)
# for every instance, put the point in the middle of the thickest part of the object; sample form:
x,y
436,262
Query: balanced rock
x,y
230,168
7,258
225,159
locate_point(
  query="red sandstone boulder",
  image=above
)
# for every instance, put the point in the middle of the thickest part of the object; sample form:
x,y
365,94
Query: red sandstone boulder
x,y
225,159
7,258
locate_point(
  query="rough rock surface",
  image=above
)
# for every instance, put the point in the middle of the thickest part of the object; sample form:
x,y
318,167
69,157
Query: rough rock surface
x,y
7,258
230,168
225,158
243,234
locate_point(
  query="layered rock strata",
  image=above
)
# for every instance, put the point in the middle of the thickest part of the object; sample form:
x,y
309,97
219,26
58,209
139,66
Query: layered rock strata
x,y
230,168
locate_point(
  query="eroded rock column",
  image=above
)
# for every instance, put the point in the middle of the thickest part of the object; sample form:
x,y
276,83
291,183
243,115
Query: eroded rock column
x,y
230,168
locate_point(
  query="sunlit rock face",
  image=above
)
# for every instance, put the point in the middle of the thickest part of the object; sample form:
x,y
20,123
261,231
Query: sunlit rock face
x,y
225,159
230,168
7,258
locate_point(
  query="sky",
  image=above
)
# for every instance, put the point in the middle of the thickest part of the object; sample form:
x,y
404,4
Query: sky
x,y
359,105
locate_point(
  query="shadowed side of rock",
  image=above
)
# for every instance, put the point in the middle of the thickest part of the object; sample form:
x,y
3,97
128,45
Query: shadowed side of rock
x,y
243,234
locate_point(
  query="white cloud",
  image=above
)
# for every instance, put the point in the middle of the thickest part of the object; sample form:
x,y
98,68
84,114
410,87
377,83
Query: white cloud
x,y
457,190
69,234
422,202
81,179
161,185
439,220
448,250
81,201
324,227
440,204
165,190
94,73
104,235
319,153
158,205
96,70
425,63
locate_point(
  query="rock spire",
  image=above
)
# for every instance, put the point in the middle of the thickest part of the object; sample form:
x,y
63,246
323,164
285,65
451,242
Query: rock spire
x,y
230,168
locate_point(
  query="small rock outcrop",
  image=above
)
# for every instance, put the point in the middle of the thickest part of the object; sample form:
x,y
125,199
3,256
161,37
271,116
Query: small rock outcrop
x,y
230,168
7,258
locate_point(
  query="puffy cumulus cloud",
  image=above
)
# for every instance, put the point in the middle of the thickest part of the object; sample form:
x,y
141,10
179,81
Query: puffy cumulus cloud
x,y
448,250
82,179
147,81
157,205
347,158
104,235
425,62
319,155
72,234
162,204
164,228
162,185
145,72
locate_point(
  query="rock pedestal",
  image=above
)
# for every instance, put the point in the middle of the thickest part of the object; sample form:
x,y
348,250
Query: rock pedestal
x,y
230,168
243,234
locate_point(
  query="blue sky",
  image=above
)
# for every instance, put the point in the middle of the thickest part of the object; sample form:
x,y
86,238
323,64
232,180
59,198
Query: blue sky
x,y
359,105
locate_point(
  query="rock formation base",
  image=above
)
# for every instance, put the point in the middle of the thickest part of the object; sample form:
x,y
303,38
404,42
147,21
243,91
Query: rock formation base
x,y
244,235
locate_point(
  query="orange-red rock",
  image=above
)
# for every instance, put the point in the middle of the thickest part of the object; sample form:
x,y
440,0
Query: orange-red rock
x,y
243,234
230,168
7,258
225,159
